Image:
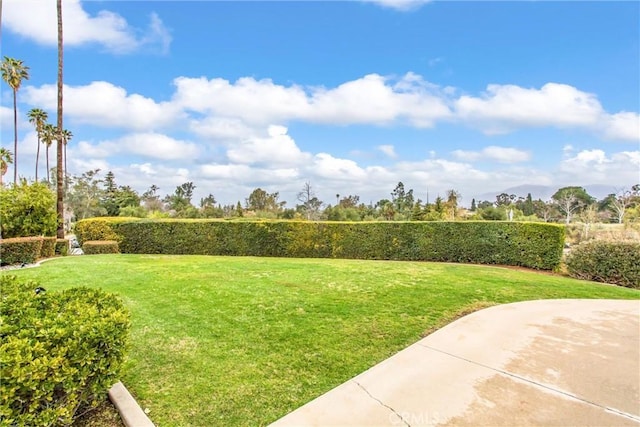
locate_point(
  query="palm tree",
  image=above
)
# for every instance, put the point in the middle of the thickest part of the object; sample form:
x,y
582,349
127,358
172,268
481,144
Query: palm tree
x,y
66,136
49,134
13,72
6,158
59,187
38,118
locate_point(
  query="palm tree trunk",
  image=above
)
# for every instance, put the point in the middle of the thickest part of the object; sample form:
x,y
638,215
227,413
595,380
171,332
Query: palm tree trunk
x,y
66,187
48,178
15,139
59,183
37,156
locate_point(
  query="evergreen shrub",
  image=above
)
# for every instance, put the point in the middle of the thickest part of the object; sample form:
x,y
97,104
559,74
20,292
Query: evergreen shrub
x,y
610,262
60,351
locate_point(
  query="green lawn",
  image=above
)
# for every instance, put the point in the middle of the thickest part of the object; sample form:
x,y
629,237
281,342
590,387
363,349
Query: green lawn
x,y
243,341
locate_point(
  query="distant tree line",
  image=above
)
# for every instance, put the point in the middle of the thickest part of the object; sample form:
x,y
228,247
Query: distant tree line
x,y
91,195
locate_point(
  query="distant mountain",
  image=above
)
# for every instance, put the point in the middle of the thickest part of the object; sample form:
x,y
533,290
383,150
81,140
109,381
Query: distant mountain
x,y
545,192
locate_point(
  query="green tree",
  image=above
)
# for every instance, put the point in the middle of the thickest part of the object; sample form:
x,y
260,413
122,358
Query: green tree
x,y
38,118
492,213
261,201
6,158
66,136
13,73
180,200
452,203
402,200
151,200
473,205
619,202
570,200
110,192
527,209
388,210
544,211
208,208
49,134
417,214
86,194
27,210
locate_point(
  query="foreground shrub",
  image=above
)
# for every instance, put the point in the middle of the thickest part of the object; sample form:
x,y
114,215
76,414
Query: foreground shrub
x,y
609,262
20,250
27,210
60,351
97,247
534,245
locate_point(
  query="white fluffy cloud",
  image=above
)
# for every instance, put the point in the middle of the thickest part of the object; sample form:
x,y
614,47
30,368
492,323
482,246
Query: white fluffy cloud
x,y
622,126
372,99
253,101
596,167
494,153
277,149
505,108
105,105
36,20
149,144
218,109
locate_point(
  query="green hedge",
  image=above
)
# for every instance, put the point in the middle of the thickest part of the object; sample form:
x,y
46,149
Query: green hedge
x,y
98,229
534,245
48,249
20,249
97,247
62,247
609,262
60,351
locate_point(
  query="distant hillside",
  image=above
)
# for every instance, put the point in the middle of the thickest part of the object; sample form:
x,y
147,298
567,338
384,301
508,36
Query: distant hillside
x,y
545,192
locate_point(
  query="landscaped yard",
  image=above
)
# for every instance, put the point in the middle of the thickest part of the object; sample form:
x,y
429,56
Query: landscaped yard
x,y
243,341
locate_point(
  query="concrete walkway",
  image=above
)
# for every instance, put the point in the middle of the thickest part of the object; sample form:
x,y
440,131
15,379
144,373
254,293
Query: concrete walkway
x,y
537,363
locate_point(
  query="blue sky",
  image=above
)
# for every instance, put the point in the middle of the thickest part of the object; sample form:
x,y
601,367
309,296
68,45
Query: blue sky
x,y
349,96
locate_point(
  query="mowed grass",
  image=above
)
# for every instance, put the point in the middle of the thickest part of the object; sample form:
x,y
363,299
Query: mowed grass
x,y
243,341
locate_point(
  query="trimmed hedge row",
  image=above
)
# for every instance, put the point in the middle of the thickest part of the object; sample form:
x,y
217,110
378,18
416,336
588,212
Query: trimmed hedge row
x,y
60,351
534,245
609,262
48,247
20,249
62,247
28,249
96,247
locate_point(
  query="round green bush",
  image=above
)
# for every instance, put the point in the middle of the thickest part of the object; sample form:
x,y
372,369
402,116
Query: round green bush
x,y
59,351
610,262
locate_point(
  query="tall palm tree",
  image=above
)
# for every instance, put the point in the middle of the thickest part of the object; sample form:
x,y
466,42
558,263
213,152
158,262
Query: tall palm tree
x,y
59,177
6,158
13,72
66,136
49,134
38,118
